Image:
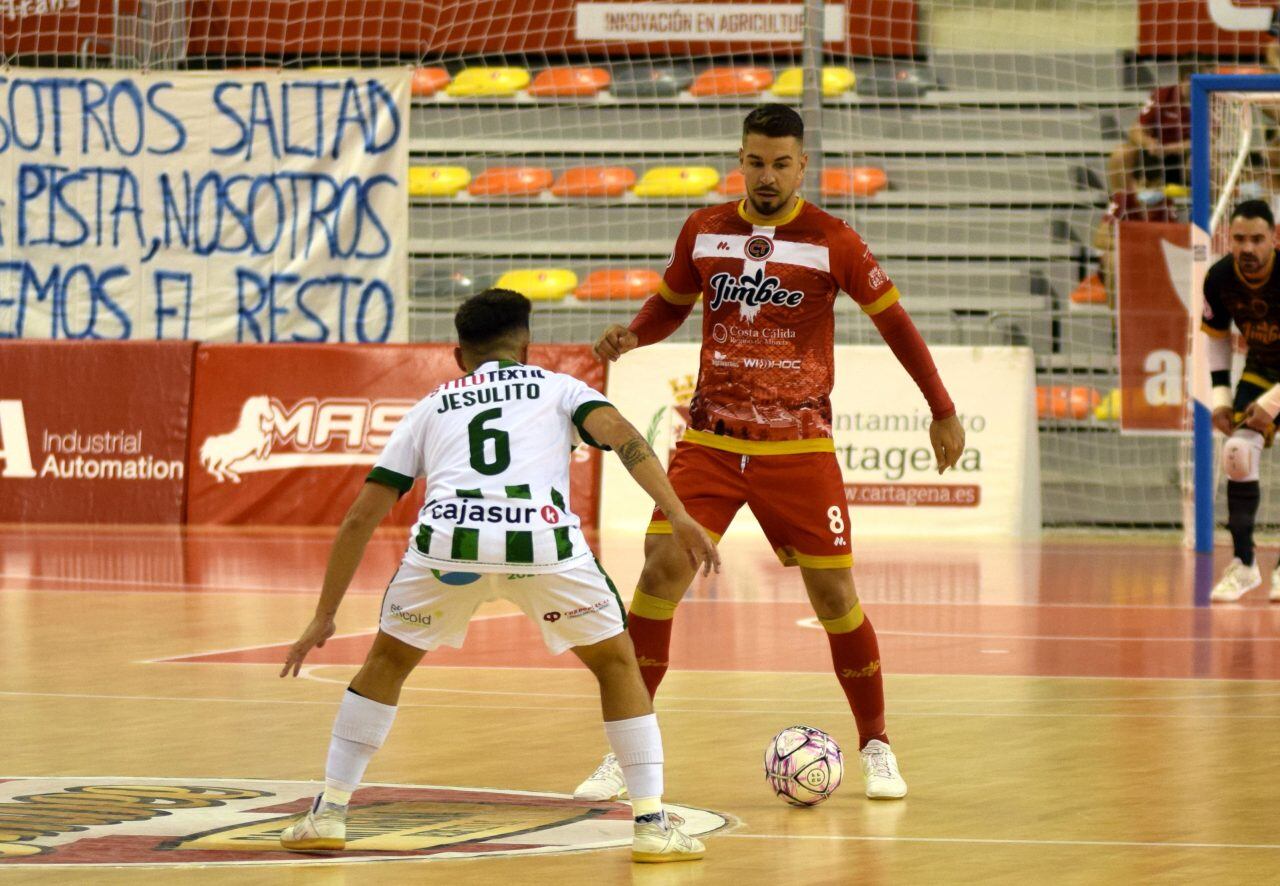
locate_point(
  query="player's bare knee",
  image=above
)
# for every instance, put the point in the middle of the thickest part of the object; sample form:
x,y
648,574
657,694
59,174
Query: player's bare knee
x,y
666,572
831,591
608,656
1242,455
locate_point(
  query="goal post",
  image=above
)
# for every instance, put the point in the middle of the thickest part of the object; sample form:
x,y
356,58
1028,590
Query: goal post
x,y
1225,119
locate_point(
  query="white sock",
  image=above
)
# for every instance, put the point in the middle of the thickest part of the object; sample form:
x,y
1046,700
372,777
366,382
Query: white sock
x,y
359,730
637,744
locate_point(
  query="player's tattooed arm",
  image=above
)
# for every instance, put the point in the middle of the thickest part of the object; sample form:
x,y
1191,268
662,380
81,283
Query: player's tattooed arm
x,y
634,451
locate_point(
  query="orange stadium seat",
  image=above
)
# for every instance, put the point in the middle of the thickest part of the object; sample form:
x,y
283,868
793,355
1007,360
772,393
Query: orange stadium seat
x,y
731,81
437,181
429,81
625,283
511,181
1090,292
1060,401
677,181
540,284
594,181
569,82
861,181
734,184
490,82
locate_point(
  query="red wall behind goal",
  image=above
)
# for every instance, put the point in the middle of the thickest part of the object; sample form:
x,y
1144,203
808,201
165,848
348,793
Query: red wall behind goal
x,y
255,28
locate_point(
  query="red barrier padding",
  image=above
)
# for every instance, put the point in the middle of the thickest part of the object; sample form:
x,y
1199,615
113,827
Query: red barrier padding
x,y
93,432
285,435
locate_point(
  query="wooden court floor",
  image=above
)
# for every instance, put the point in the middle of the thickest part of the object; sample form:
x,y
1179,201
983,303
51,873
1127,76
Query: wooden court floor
x,y
1065,712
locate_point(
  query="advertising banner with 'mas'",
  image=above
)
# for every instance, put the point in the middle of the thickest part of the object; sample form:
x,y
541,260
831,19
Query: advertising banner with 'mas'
x,y
93,434
235,207
880,426
286,436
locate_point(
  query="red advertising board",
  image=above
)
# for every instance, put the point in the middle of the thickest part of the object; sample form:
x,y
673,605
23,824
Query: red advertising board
x,y
1154,286
93,432
1188,27
402,28
285,434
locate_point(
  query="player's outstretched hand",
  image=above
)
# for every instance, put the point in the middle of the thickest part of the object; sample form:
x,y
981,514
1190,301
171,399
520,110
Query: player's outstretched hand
x,y
1255,418
1223,420
317,632
695,543
947,437
614,342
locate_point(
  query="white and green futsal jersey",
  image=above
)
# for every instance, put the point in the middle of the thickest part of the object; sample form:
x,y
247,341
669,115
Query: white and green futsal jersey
x,y
494,446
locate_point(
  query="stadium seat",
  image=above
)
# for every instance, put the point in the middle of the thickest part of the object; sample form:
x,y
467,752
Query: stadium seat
x,y
436,281
1109,408
860,181
731,81
835,81
511,181
1090,292
569,82
540,284
429,81
1066,402
472,82
1241,69
437,181
677,181
625,283
650,81
594,181
734,184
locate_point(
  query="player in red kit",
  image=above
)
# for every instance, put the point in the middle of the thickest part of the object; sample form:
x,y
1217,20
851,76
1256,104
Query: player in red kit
x,y
769,269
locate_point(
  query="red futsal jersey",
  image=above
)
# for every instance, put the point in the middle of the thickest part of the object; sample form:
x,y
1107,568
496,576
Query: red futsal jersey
x,y
768,325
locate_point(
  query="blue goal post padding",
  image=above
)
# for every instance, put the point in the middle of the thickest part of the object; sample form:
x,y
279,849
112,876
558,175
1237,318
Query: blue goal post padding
x,y
1202,85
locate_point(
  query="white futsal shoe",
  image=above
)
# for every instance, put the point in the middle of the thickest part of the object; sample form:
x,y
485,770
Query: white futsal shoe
x,y
880,771
606,783
324,826
1274,596
1237,581
663,841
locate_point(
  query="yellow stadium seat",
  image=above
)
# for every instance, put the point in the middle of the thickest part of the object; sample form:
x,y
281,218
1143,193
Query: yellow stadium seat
x,y
677,181
1109,408
835,81
488,82
437,181
540,284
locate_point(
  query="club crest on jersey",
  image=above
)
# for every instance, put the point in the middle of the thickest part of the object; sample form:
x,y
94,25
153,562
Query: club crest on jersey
x,y
752,292
759,248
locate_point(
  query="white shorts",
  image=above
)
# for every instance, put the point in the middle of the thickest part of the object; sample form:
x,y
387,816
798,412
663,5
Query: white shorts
x,y
430,608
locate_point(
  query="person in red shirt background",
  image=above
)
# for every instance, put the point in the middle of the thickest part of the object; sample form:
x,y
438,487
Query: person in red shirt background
x,y
1163,130
1142,199
769,269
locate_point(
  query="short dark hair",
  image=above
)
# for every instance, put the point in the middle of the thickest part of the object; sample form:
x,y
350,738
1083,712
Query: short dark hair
x,y
1254,209
774,121
490,315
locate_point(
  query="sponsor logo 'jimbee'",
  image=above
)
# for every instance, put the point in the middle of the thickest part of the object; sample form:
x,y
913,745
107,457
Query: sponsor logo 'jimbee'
x,y
752,292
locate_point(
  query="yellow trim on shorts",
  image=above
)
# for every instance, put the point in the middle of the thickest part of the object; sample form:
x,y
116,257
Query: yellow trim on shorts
x,y
883,303
847,623
676,298
1215,333
759,447
663,527
810,561
651,607
1254,379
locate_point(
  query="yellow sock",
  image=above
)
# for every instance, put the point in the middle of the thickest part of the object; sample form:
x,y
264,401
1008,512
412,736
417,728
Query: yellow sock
x,y
850,621
651,607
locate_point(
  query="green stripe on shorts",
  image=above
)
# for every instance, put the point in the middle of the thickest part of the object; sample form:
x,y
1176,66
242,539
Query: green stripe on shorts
x,y
558,500
466,543
519,546
613,590
521,491
468,493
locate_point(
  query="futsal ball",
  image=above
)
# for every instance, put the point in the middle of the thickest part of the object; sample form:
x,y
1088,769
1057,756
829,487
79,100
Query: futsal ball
x,y
803,765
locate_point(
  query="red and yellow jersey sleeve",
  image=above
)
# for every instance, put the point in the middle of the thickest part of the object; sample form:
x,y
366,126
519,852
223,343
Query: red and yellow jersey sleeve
x,y
858,273
681,282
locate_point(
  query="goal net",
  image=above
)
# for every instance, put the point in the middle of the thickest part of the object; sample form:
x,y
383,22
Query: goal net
x,y
557,145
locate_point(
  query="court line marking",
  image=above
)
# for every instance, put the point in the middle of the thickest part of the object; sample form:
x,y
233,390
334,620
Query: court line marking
x,y
866,598
1003,842
812,624
1182,716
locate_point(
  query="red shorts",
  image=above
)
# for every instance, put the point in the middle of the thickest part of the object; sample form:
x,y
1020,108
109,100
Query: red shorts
x,y
798,499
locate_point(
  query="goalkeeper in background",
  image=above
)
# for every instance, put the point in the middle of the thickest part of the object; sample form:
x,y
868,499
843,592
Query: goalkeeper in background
x,y
1243,288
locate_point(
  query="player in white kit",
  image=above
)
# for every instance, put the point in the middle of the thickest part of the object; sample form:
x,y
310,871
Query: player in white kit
x,y
494,446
